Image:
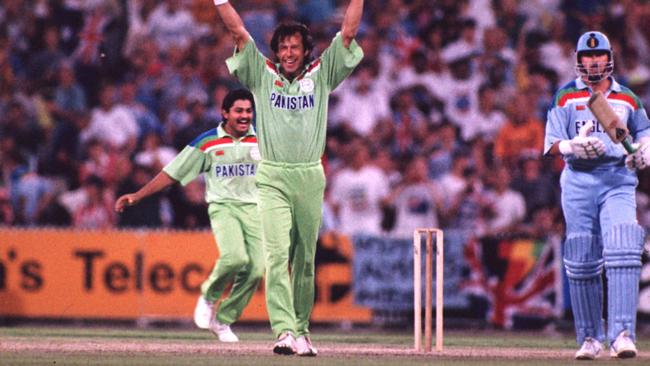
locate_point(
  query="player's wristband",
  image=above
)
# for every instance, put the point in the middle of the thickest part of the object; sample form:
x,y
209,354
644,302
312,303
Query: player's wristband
x,y
565,147
220,2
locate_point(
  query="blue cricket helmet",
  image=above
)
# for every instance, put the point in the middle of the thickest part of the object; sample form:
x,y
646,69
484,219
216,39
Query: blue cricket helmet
x,y
594,42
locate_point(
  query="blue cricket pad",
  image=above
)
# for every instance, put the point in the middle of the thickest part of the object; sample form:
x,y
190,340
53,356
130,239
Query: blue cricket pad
x,y
623,249
583,264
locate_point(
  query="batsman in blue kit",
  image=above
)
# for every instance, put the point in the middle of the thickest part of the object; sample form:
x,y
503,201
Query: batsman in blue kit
x,y
598,199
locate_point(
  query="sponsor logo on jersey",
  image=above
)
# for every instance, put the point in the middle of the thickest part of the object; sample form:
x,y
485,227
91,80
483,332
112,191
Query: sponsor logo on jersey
x,y
292,102
255,153
219,153
306,85
234,170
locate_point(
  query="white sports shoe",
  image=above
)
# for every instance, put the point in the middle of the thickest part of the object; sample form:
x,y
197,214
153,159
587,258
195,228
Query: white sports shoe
x,y
304,347
623,346
223,332
203,313
285,345
590,349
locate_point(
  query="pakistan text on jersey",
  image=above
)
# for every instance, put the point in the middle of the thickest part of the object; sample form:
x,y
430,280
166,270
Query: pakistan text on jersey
x,y
292,102
234,170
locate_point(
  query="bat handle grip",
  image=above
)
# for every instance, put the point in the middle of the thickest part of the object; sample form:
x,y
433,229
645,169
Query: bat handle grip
x,y
628,146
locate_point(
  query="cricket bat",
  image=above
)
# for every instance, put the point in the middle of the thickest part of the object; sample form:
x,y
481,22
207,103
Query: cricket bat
x,y
614,127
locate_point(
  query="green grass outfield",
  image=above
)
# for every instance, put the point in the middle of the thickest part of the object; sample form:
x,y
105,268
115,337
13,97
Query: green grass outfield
x,y
65,345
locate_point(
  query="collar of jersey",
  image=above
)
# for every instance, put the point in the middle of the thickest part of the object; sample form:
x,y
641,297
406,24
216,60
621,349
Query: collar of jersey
x,y
222,133
304,71
616,87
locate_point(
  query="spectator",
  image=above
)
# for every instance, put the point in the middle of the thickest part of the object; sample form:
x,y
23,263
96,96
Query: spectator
x,y
22,128
171,25
112,123
138,14
147,121
189,207
416,200
443,150
69,113
455,180
409,121
32,193
507,205
98,161
184,80
363,104
482,12
90,54
523,133
43,65
485,121
467,44
154,155
218,93
558,52
357,192
69,97
91,205
535,185
470,207
418,72
148,211
459,88
198,121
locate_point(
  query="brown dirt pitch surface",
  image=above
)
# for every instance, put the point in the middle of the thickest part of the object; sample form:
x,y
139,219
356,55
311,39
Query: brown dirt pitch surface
x,y
155,346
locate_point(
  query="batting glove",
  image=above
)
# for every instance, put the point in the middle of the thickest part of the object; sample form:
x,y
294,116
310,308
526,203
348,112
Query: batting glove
x,y
641,157
583,146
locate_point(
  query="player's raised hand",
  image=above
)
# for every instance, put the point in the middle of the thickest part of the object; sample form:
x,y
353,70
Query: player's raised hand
x,y
640,159
124,201
586,147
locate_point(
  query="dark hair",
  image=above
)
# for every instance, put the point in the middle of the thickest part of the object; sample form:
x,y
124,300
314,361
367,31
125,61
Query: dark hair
x,y
237,94
484,87
94,180
285,30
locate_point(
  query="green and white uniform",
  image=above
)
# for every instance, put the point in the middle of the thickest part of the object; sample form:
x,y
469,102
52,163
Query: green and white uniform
x,y
229,165
292,125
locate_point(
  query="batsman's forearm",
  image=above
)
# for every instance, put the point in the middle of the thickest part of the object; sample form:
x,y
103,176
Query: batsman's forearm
x,y
157,184
233,23
351,21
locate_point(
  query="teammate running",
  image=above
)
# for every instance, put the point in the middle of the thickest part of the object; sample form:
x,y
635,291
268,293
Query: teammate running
x,y
228,155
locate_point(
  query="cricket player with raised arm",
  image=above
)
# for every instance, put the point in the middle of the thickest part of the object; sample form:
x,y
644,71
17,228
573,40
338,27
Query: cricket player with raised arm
x,y
598,200
227,156
291,93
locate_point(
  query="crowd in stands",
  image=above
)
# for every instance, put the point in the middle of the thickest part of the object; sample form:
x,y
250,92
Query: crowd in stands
x,y
442,124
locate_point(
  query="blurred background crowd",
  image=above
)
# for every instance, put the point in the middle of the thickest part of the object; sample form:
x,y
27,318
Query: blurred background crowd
x,y
442,124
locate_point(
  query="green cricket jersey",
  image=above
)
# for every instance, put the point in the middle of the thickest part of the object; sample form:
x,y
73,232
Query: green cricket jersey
x,y
229,163
292,116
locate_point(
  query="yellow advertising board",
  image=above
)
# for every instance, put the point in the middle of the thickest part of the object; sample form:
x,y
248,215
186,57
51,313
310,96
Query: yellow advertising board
x,y
128,275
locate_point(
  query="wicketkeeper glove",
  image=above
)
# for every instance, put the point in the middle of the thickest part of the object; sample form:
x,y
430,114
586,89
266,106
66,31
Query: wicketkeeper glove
x,y
583,146
640,159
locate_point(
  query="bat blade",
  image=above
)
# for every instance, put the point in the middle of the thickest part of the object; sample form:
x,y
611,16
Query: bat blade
x,y
605,115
